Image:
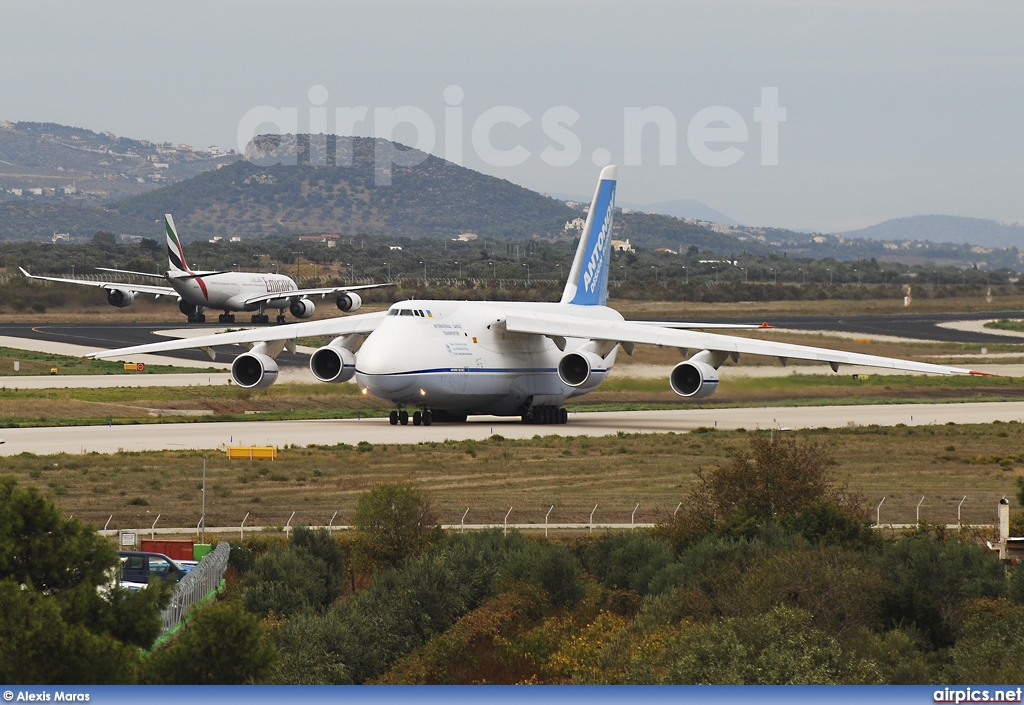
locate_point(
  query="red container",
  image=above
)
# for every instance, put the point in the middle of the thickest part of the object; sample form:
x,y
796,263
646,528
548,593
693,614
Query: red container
x,y
178,549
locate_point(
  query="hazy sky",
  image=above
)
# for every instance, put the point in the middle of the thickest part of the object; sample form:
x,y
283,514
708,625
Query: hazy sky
x,y
891,108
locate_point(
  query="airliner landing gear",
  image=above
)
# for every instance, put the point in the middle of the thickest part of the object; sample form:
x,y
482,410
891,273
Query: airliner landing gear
x,y
546,415
260,318
194,314
400,417
226,318
422,417
281,318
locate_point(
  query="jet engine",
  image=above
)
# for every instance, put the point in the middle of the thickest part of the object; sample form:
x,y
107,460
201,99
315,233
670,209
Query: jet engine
x,y
333,363
122,298
303,308
349,301
574,368
694,379
253,370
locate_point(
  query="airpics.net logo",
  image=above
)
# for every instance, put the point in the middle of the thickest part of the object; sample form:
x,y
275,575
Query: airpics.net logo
x,y
716,136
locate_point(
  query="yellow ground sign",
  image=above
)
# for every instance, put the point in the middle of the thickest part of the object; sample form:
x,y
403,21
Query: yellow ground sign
x,y
252,452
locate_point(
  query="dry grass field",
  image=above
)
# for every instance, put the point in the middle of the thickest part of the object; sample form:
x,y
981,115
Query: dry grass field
x,y
903,464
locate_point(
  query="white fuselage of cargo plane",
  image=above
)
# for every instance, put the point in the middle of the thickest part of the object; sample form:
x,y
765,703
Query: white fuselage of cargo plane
x,y
231,291
457,356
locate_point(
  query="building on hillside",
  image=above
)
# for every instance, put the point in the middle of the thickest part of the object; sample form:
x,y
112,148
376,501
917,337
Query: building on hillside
x,y
666,251
465,237
574,224
622,246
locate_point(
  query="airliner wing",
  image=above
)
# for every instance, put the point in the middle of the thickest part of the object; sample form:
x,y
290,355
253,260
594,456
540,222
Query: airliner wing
x,y
359,323
123,286
559,326
683,325
302,293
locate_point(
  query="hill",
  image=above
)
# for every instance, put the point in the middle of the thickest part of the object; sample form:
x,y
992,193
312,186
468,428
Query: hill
x,y
945,228
50,163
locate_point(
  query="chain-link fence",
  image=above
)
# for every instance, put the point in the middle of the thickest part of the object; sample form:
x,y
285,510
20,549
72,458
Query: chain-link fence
x,y
202,580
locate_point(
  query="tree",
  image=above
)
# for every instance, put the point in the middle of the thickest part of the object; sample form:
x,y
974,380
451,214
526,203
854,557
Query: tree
x,y
222,645
61,620
394,521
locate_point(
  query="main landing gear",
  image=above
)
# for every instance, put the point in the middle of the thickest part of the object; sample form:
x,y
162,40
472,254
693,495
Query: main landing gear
x,y
546,415
226,318
260,318
193,313
425,417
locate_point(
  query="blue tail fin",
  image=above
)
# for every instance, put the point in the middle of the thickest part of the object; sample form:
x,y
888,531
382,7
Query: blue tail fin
x,y
588,279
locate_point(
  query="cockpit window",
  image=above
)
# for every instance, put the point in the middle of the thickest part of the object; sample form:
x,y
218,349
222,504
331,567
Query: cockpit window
x,y
393,312
405,312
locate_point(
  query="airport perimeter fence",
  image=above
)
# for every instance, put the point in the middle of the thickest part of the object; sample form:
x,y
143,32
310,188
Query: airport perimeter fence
x,y
196,587
907,514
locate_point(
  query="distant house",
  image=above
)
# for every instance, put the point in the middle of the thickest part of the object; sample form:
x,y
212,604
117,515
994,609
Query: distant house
x,y
574,224
622,246
326,237
465,237
666,251
236,238
216,238
395,248
61,237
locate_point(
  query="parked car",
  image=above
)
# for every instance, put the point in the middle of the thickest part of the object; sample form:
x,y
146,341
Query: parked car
x,y
138,568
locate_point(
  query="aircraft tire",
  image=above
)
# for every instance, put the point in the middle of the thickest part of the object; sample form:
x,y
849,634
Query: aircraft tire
x,y
393,418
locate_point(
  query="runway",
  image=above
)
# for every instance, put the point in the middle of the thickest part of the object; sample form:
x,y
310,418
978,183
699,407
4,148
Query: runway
x,y
215,436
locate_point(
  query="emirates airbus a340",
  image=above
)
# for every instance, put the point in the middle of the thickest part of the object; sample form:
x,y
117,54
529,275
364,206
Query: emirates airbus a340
x,y
446,360
224,291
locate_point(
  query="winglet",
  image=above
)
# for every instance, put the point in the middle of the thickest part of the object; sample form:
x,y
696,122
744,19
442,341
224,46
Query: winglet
x,y
24,272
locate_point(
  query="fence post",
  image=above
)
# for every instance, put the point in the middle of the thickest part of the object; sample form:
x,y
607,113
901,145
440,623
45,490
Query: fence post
x,y
152,529
592,518
878,513
917,513
505,531
288,526
462,525
241,532
959,525
546,521
632,517
330,526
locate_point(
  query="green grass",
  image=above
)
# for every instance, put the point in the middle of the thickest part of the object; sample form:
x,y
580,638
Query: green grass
x,y
939,463
37,363
1005,324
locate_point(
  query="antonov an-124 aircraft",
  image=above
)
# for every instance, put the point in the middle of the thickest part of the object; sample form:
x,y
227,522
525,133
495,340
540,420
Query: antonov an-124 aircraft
x,y
445,360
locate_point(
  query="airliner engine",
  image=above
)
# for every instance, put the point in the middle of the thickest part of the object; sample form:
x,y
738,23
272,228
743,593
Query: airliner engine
x,y
349,302
303,308
694,379
574,368
333,363
254,370
121,298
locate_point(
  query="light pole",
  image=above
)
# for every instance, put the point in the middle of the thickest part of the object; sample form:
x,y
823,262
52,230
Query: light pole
x,y
623,268
656,280
389,271
494,271
829,275
424,273
775,275
803,276
460,269
559,272
527,265
686,273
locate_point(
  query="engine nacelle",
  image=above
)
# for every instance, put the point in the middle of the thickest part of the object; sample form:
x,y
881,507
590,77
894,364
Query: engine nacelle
x,y
349,301
694,379
254,370
574,368
333,363
186,308
303,308
122,298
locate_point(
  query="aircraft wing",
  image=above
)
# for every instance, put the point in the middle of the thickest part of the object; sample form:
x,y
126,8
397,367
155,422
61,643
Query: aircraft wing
x,y
683,325
302,293
138,288
559,326
359,323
